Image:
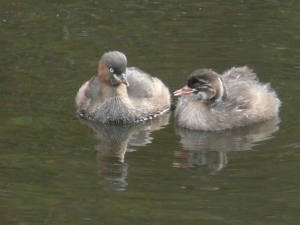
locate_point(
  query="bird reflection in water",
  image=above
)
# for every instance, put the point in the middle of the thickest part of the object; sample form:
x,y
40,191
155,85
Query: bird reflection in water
x,y
206,152
114,141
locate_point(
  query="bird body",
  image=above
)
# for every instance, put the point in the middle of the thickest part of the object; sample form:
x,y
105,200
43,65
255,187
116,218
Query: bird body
x,y
213,102
120,94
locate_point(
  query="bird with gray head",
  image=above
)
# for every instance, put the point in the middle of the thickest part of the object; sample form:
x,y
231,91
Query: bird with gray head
x,y
121,94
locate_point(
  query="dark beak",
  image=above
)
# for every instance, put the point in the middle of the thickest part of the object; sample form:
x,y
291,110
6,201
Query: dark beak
x,y
121,77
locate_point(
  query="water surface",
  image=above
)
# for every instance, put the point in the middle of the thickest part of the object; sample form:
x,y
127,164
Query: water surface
x,y
57,169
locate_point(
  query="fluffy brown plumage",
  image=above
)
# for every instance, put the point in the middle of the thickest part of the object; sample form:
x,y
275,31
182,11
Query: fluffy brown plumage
x,y
213,102
120,94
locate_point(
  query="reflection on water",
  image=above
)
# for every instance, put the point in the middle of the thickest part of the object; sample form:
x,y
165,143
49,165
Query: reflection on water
x,y
114,142
206,152
48,48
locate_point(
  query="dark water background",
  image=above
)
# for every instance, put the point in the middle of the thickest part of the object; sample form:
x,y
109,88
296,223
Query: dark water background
x,y
55,169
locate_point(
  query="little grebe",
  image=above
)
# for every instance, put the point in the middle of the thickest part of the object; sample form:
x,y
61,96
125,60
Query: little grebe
x,y
120,94
213,102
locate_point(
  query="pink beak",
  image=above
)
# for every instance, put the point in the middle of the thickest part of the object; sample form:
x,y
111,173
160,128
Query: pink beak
x,y
184,91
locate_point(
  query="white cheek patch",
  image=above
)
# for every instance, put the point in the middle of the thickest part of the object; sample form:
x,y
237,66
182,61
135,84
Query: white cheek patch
x,y
203,95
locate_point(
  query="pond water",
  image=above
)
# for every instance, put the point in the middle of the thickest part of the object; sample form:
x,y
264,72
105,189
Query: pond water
x,y
57,169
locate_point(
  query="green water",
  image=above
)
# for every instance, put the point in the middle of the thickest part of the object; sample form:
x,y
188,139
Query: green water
x,y
56,169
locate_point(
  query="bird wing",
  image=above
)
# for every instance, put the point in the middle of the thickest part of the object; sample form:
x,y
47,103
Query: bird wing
x,y
140,83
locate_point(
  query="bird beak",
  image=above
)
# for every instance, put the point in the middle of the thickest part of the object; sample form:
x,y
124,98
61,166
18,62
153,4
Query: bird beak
x,y
184,91
121,78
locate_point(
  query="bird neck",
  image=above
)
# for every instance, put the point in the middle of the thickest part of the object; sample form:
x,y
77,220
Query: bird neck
x,y
221,91
109,91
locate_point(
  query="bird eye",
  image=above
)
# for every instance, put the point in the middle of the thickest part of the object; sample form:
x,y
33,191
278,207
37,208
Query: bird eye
x,y
111,70
197,86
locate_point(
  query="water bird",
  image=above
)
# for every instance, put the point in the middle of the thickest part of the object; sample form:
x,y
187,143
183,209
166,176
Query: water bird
x,y
121,94
213,102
